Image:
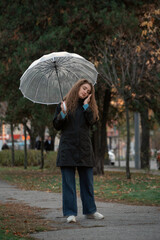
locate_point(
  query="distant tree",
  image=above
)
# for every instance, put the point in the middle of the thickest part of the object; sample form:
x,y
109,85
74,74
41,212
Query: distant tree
x,y
149,42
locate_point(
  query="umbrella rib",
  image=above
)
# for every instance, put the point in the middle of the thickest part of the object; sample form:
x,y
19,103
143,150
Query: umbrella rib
x,y
48,89
46,72
70,72
65,60
83,70
44,69
38,87
87,73
74,73
30,80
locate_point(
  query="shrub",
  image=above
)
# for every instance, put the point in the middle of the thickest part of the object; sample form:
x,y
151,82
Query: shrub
x,y
5,158
33,158
50,160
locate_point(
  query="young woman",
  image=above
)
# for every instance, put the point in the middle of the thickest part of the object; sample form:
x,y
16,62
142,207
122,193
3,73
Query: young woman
x,y
75,148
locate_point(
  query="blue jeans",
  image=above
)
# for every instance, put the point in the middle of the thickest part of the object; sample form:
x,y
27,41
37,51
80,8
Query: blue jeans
x,y
69,190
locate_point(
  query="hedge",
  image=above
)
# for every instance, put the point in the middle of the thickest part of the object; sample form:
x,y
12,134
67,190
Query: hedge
x,y
33,158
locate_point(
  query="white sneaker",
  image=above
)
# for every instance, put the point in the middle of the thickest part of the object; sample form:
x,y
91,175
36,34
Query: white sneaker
x,y
95,215
71,219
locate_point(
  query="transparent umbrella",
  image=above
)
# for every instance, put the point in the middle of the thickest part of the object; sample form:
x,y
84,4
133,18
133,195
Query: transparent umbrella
x,y
50,77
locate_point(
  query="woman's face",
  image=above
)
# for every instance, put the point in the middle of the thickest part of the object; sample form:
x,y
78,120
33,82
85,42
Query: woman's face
x,y
84,91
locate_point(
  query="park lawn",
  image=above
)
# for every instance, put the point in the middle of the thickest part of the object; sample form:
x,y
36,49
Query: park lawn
x,y
18,221
142,189
4,235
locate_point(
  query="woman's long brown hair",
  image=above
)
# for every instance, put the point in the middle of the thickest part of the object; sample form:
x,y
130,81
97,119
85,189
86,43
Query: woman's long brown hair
x,y
72,98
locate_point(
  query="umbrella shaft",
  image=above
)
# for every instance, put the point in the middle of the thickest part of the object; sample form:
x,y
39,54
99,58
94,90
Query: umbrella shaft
x,y
58,80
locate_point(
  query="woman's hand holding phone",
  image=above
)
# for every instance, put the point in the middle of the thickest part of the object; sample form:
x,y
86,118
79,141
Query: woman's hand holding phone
x,y
87,100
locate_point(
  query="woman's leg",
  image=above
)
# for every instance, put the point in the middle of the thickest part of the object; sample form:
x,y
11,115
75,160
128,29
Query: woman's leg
x,y
86,190
69,191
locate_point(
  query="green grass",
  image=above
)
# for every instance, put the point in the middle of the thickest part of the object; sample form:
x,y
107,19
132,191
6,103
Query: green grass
x,y
9,236
32,179
142,189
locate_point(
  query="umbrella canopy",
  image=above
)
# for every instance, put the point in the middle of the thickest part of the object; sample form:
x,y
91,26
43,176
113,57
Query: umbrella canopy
x,y
50,77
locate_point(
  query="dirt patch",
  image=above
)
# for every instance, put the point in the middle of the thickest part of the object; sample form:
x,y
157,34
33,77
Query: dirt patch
x,y
22,220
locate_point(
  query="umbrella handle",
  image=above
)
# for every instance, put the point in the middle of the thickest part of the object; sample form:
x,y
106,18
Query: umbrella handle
x,y
64,105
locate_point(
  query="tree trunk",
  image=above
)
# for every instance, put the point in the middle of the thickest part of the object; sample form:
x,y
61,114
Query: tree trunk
x,y
32,135
25,147
145,137
42,151
53,134
128,174
12,137
53,140
99,136
96,143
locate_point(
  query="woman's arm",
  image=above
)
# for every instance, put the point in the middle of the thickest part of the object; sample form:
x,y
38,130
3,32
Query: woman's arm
x,y
59,118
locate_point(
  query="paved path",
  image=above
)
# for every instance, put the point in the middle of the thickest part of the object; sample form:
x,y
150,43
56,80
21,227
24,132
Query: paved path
x,y
122,222
153,164
132,170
